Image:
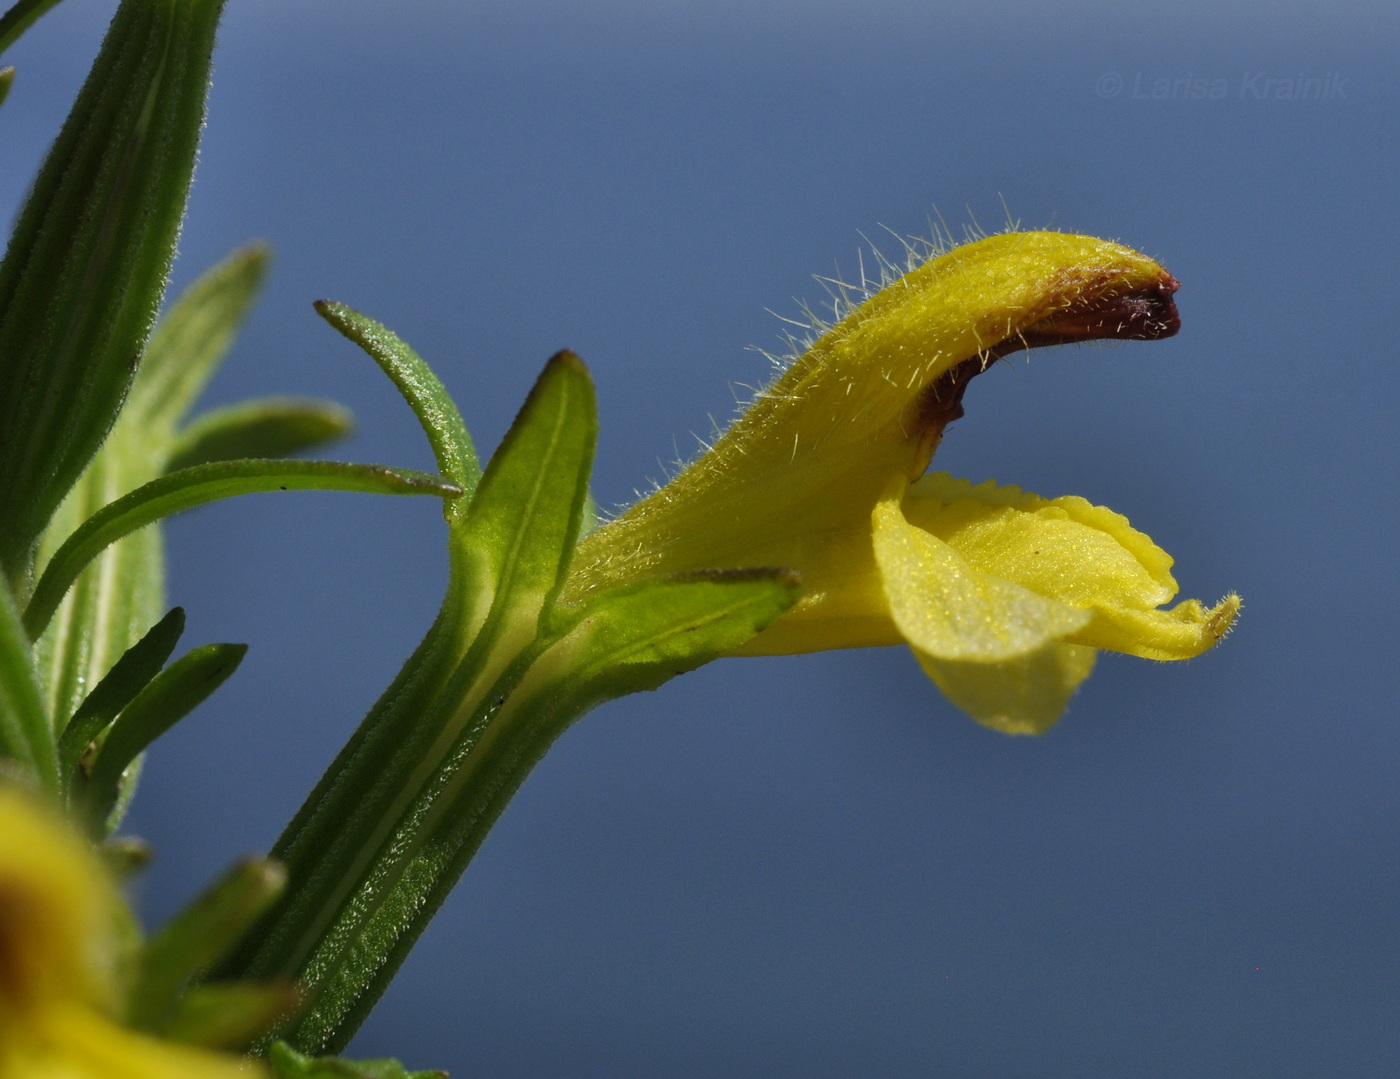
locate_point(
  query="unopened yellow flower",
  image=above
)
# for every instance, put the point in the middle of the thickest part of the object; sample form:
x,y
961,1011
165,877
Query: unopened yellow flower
x,y
61,924
1002,595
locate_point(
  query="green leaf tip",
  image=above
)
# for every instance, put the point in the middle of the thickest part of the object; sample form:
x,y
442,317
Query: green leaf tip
x,y
199,936
163,702
421,388
7,79
231,1015
268,427
131,674
192,339
526,514
640,636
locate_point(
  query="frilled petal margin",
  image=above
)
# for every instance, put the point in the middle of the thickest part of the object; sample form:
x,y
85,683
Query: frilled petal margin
x,y
1004,595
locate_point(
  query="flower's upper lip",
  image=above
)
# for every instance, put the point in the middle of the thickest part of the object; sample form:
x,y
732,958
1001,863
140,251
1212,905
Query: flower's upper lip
x,y
1143,313
1146,313
870,398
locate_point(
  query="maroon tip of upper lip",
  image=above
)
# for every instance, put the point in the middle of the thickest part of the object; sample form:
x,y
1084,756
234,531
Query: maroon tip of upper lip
x,y
1143,314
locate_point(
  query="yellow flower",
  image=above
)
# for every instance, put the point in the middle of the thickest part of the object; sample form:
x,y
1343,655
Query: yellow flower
x,y
1002,595
61,928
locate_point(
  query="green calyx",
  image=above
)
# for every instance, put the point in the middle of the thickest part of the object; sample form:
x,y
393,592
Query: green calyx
x,y
503,672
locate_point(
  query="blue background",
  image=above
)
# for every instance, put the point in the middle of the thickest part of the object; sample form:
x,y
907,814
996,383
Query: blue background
x,y
814,866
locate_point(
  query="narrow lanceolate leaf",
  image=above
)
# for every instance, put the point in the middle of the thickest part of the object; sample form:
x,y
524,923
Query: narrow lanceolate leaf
x,y
122,591
198,937
166,700
116,599
192,487
524,519
25,735
430,401
128,677
19,19
7,79
268,427
86,265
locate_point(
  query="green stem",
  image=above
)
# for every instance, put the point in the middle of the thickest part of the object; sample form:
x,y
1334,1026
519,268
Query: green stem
x,y
330,829
363,828
433,840
374,856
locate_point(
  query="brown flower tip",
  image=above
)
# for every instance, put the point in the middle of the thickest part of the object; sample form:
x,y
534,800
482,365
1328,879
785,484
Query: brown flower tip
x,y
1147,313
1143,313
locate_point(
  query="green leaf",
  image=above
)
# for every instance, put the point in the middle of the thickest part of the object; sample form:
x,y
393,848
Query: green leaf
x,y
115,600
231,1015
287,1063
86,265
121,592
268,427
7,79
591,515
128,677
25,734
192,487
524,519
19,19
638,637
424,392
165,700
198,937
192,340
